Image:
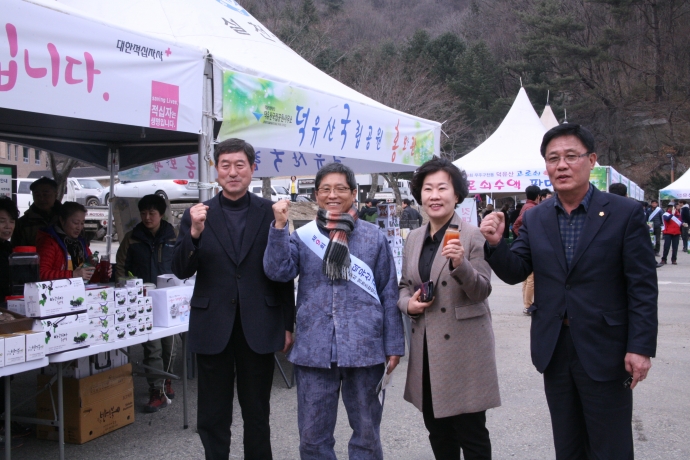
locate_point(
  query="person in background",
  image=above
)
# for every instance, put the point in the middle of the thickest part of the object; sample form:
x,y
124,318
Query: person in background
x,y
514,214
8,218
672,226
409,213
369,211
147,252
504,210
293,188
685,218
532,192
488,210
64,252
43,212
654,216
619,189
347,328
451,375
545,194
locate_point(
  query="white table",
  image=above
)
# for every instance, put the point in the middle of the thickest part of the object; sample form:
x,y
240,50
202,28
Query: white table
x,y
7,372
59,358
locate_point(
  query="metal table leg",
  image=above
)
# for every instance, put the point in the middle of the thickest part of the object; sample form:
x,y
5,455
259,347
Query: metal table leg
x,y
61,415
8,412
184,379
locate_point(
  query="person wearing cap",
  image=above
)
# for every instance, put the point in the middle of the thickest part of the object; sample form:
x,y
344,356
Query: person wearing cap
x,y
43,212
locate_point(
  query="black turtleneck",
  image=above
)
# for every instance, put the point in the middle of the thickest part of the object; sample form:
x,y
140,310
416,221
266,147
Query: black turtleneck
x,y
235,213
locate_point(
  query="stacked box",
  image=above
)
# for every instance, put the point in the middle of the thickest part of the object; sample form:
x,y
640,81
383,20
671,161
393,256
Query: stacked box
x,y
58,297
389,223
35,344
2,352
171,305
101,330
62,333
100,309
17,306
165,281
100,301
15,348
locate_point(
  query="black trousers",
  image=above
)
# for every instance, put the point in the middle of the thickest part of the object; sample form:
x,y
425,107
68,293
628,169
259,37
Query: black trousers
x,y
670,240
216,391
590,419
449,435
657,238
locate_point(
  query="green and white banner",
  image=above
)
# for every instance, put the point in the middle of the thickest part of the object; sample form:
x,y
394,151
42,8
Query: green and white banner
x,y
297,131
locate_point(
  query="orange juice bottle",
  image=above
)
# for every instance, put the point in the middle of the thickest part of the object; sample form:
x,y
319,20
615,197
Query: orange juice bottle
x,y
453,233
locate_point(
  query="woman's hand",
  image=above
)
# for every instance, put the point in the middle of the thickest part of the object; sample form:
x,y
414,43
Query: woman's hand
x,y
84,272
454,251
415,307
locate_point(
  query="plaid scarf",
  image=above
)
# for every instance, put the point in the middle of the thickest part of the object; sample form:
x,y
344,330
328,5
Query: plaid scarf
x,y
336,261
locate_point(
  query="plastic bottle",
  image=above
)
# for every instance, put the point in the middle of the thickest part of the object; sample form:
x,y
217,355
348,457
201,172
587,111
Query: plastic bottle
x,y
452,233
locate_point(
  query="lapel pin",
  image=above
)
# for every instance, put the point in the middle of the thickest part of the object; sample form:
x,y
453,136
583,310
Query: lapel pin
x,y
601,214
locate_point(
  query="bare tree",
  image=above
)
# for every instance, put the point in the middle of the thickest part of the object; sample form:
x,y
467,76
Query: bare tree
x,y
61,167
266,189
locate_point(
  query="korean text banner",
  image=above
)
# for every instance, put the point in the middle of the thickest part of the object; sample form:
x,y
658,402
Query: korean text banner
x,y
507,180
60,64
184,167
274,115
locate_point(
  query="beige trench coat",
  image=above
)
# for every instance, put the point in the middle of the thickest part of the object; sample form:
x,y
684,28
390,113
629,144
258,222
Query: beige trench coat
x,y
459,333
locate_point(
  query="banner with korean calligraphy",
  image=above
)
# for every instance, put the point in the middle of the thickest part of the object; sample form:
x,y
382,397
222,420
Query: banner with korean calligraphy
x,y
313,128
184,167
467,210
63,64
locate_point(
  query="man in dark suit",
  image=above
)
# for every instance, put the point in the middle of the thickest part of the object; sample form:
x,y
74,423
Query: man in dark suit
x,y
239,317
594,326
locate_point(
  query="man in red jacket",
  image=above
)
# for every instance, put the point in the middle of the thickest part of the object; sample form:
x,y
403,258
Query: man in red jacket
x,y
672,224
532,193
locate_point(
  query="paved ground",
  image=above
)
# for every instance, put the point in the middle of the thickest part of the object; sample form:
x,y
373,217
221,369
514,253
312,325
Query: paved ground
x,y
520,429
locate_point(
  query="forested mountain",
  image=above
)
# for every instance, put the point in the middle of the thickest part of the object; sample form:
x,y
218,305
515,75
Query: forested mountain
x,y
621,67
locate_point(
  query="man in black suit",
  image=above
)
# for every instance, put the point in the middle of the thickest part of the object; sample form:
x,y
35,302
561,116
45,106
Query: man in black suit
x,y
594,325
239,317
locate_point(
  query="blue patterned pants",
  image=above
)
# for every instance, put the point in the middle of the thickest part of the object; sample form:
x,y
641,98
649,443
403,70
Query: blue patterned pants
x,y
318,391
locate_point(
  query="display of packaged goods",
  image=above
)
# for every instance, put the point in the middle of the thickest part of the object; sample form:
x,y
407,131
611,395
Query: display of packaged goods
x,y
121,331
393,232
15,348
94,405
98,294
11,322
164,281
397,251
144,305
388,222
132,295
62,333
101,322
171,305
58,297
395,242
2,352
100,309
35,344
386,209
100,335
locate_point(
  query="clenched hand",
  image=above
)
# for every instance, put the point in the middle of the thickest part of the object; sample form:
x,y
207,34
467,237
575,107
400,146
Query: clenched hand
x,y
492,228
198,215
281,212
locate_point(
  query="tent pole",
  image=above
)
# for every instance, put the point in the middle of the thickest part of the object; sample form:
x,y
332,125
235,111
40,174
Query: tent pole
x,y
113,165
206,138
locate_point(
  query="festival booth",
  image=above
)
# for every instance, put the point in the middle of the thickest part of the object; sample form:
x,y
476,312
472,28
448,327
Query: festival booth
x,y
679,189
603,176
509,160
547,118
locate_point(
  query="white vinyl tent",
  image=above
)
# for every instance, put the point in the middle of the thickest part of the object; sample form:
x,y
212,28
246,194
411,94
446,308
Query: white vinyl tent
x,y
547,118
677,189
509,160
296,116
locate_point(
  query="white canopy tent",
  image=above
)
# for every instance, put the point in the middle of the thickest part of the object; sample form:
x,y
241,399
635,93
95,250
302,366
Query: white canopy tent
x,y
678,189
548,119
509,160
296,116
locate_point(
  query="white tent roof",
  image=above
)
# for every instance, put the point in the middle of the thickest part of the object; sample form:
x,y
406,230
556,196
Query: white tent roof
x,y
238,42
678,189
509,160
548,118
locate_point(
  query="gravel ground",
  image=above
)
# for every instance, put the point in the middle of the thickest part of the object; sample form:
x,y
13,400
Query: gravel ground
x,y
520,428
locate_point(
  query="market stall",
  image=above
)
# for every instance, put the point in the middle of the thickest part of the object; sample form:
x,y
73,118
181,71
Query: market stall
x,y
677,190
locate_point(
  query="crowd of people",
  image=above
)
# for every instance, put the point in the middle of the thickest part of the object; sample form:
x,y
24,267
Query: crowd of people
x,y
584,256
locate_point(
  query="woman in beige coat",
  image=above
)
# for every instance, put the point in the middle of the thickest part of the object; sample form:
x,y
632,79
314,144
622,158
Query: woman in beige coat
x,y
451,376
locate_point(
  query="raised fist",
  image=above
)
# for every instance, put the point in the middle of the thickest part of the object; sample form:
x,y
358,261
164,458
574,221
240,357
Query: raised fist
x,y
281,212
198,215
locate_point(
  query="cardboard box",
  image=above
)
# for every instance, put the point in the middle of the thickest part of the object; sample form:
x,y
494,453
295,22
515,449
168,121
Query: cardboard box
x,y
101,322
64,333
15,348
58,297
35,344
120,297
121,331
144,305
100,294
94,405
133,294
165,281
100,309
134,282
102,335
17,306
171,305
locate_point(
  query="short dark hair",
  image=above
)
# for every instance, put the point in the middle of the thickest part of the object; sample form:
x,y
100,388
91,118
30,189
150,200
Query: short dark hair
x,y
544,192
532,192
407,201
458,178
618,189
234,145
43,181
68,208
682,202
6,204
153,201
336,168
654,201
568,129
